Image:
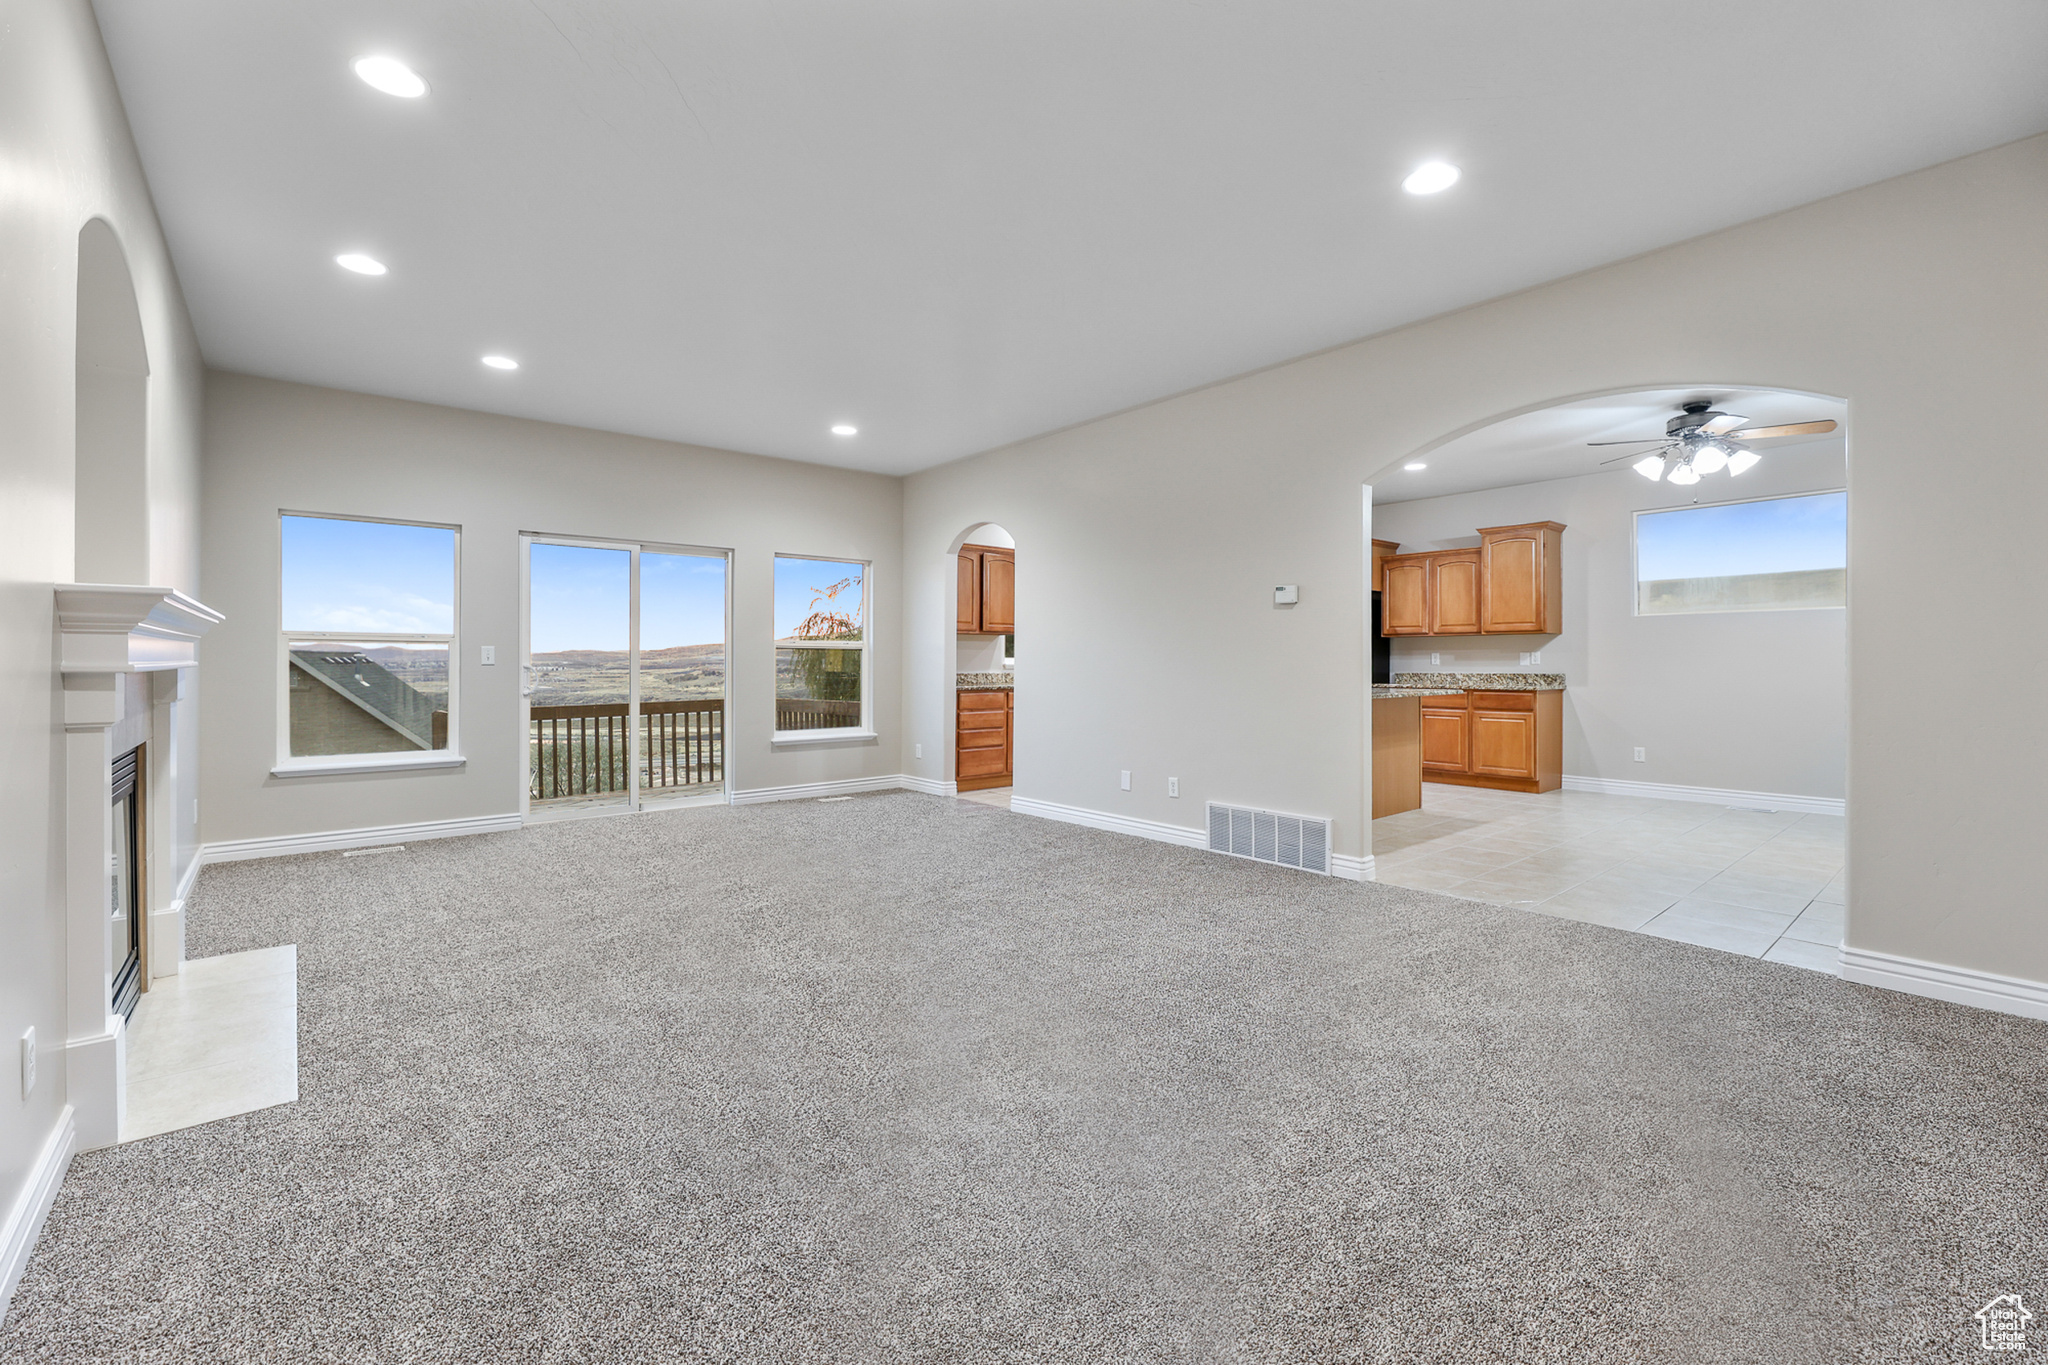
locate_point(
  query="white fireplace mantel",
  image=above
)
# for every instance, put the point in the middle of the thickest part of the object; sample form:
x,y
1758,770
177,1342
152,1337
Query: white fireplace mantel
x,y
115,628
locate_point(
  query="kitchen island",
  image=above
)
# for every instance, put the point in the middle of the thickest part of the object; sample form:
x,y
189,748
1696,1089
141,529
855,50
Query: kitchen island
x,y
1500,730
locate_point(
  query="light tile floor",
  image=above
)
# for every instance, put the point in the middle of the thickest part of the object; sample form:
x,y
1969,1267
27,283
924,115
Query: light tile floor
x,y
1766,884
220,1038
999,797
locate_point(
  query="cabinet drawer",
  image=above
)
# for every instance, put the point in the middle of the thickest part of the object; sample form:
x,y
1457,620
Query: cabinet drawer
x,y
981,762
984,701
1503,701
981,723
1454,702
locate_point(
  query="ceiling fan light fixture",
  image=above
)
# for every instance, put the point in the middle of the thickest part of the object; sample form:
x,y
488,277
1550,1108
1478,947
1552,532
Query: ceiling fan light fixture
x,y
1650,467
1710,458
1741,460
1685,473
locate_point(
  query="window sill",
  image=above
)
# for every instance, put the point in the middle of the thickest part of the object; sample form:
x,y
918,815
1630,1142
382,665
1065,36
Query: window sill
x,y
782,737
398,763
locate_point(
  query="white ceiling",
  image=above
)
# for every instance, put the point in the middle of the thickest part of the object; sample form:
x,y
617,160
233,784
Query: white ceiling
x,y
961,225
1551,443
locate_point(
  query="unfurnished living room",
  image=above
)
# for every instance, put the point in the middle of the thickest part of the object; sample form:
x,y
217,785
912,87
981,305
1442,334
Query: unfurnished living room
x,y
849,682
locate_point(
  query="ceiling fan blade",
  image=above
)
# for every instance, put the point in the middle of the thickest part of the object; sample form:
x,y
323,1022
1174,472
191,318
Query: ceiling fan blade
x,y
1726,422
1645,441
1634,454
1791,429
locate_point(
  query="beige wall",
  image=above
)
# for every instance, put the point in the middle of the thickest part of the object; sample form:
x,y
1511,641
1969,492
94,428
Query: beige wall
x,y
66,158
1153,536
273,446
1752,701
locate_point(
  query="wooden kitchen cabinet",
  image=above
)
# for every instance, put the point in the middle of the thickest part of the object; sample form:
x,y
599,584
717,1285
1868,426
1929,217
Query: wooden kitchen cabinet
x,y
1512,584
1521,583
1513,741
1404,600
1445,729
1380,550
984,739
987,590
1454,593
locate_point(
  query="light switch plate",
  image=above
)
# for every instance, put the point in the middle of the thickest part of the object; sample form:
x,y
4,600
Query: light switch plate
x,y
490,654
1125,777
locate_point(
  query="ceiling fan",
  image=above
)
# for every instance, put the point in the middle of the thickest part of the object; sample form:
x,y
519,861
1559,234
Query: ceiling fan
x,y
1702,441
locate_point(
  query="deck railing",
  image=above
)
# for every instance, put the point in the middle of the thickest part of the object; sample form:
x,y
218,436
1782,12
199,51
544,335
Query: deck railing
x,y
806,714
582,750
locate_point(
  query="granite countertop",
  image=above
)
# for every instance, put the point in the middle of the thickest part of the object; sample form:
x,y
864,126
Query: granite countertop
x,y
981,682
1481,682
1382,692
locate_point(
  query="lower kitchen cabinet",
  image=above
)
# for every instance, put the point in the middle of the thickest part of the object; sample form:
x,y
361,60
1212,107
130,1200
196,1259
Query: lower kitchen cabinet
x,y
1513,741
984,737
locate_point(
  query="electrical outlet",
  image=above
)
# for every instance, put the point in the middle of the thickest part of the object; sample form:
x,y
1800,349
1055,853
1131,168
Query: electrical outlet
x,y
1173,786
490,654
1435,659
1125,777
918,750
28,1063
1532,658
1639,756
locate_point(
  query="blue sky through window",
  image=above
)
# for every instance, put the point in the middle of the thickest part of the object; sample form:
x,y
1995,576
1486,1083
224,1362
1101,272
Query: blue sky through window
x,y
1774,535
799,581
370,576
581,599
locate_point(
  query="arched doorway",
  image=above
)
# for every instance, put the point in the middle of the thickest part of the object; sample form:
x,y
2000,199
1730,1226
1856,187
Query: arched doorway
x,y
984,609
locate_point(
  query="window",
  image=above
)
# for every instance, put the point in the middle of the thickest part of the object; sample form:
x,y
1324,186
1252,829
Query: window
x,y
821,646
1769,554
368,634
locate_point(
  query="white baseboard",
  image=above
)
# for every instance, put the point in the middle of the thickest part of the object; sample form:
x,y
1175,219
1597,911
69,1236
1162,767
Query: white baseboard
x,y
1342,865
1155,830
1985,990
930,786
235,850
803,791
32,1206
1718,796
1353,869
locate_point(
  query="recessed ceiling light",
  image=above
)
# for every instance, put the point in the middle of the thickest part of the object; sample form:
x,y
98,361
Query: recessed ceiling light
x,y
1430,177
1415,464
391,76
501,362
361,264
845,429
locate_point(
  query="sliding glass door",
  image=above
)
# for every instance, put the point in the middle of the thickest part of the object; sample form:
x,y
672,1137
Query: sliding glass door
x,y
624,676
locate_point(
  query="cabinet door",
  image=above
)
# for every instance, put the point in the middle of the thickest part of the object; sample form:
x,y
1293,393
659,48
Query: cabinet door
x,y
1512,572
1454,594
998,594
1443,740
1404,601
1009,733
1504,744
970,593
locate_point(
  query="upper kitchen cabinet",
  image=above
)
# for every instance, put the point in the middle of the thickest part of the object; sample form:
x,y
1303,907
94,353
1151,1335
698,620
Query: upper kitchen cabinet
x,y
1510,585
1454,593
1521,584
1404,596
988,590
1380,550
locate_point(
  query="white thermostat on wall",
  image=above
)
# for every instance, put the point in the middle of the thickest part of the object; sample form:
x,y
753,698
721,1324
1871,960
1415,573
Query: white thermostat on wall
x,y
1286,595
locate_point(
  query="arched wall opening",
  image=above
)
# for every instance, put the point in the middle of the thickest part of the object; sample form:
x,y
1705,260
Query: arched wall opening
x,y
1735,702
983,606
111,501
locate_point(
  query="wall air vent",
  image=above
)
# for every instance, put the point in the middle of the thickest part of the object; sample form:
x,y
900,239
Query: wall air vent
x,y
1290,840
